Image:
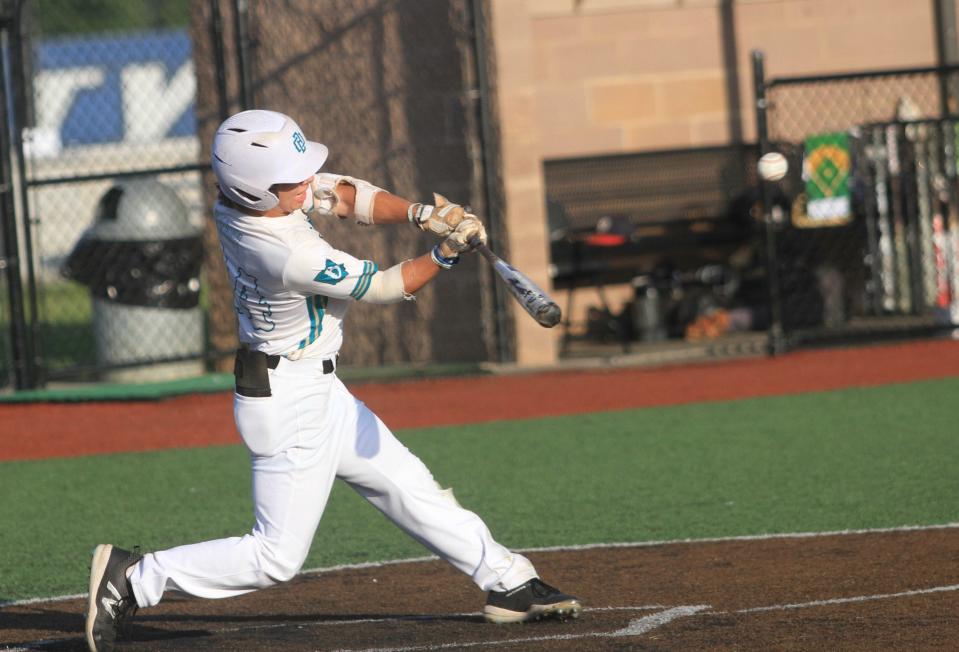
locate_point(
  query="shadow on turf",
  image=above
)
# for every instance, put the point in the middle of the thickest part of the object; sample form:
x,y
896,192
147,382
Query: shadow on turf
x,y
305,618
141,631
72,623
42,620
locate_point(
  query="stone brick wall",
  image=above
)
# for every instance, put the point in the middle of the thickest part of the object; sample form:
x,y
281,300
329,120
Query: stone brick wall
x,y
588,77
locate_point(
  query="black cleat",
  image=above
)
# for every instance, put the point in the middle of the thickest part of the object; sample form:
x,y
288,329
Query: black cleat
x,y
531,601
111,601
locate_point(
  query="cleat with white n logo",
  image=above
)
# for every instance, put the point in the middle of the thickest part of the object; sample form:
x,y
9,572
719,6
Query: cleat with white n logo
x,y
111,601
530,601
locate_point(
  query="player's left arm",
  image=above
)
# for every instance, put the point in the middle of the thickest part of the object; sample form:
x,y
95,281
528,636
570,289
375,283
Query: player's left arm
x,y
402,280
348,197
314,267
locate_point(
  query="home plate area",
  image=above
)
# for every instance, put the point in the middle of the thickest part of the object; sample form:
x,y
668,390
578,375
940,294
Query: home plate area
x,y
870,590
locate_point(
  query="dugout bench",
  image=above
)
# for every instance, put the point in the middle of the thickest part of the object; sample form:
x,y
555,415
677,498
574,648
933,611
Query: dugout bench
x,y
640,218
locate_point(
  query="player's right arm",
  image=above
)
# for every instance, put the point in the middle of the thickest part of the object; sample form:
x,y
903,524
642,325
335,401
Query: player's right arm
x,y
348,197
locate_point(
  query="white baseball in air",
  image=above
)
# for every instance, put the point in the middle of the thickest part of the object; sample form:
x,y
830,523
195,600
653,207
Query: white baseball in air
x,y
773,166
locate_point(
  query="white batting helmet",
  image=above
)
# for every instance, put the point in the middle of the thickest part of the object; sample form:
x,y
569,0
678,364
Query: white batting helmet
x,y
253,150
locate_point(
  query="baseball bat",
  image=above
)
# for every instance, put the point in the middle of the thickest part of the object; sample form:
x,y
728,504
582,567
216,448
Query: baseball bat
x,y
866,154
924,165
886,249
903,285
535,301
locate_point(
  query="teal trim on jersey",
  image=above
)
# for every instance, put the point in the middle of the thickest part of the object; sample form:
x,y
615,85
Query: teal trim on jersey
x,y
316,308
366,278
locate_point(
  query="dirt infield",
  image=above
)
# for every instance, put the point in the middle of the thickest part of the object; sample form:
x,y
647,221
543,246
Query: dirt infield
x,y
880,590
860,591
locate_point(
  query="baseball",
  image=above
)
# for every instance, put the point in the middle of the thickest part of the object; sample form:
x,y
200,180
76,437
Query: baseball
x,y
773,166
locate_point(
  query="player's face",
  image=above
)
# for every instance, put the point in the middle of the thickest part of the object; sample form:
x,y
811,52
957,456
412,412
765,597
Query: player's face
x,y
291,195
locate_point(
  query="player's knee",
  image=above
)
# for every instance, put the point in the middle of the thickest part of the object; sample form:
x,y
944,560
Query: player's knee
x,y
280,569
279,564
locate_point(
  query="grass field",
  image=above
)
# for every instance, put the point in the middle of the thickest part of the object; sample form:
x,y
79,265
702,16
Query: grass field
x,y
856,458
66,325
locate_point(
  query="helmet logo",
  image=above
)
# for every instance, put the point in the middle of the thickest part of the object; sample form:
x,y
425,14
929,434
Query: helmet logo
x,y
299,143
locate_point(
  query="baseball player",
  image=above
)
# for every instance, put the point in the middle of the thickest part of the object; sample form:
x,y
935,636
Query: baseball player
x,y
301,425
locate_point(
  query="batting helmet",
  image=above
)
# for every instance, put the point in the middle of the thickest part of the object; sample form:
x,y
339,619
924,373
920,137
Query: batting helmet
x,y
253,150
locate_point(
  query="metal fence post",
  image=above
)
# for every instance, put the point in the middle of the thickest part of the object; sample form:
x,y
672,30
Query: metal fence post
x,y
21,356
21,89
242,54
777,339
219,58
947,52
501,326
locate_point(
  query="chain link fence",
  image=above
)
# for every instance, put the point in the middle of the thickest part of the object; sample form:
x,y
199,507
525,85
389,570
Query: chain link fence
x,y
393,89
113,114
863,228
109,165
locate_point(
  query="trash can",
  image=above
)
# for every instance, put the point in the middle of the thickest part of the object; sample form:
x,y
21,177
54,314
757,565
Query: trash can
x,y
141,260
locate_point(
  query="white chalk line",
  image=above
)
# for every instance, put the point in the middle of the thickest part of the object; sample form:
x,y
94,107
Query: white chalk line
x,y
855,599
640,626
574,548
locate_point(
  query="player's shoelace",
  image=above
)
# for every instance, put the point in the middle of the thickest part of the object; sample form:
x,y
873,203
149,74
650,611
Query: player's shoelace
x,y
541,589
124,610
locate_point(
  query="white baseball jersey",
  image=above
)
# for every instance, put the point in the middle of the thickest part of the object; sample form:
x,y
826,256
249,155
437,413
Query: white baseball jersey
x,y
291,288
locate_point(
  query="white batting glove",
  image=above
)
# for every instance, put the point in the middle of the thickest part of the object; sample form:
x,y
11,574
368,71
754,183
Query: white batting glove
x,y
440,219
464,237
321,200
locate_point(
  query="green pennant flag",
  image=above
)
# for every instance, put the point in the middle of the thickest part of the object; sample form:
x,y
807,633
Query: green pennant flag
x,y
826,171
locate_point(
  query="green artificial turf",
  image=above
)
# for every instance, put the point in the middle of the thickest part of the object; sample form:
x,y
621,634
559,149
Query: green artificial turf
x,y
857,458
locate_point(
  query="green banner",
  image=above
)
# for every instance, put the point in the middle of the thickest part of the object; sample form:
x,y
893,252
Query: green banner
x,y
826,171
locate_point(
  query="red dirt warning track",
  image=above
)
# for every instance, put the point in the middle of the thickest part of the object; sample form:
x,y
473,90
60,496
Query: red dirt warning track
x,y
37,431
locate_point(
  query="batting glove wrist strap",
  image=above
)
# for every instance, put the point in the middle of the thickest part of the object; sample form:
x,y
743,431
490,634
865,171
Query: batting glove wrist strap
x,y
436,255
419,215
440,218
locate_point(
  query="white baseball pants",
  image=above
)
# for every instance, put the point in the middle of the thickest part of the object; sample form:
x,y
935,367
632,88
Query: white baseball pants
x,y
309,432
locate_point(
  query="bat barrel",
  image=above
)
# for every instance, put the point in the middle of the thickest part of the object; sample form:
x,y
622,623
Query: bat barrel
x,y
549,315
534,301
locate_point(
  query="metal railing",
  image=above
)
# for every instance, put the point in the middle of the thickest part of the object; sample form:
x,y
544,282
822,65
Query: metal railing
x,y
862,234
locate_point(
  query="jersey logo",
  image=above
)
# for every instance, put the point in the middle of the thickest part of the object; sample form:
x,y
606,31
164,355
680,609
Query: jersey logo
x,y
249,302
332,274
299,143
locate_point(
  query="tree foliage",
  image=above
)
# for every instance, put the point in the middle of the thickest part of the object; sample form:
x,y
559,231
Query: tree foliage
x,y
53,17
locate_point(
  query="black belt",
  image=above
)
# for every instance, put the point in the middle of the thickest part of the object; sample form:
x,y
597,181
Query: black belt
x,y
329,365
250,371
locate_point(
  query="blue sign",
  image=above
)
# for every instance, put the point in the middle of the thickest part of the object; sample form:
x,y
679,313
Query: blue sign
x,y
137,87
